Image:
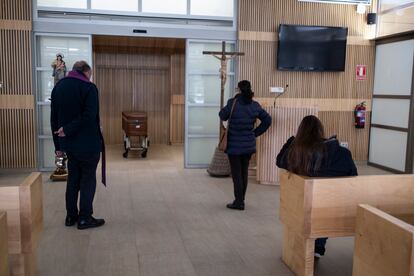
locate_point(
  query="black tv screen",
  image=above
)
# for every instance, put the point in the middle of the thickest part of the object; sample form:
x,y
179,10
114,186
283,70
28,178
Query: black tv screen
x,y
311,48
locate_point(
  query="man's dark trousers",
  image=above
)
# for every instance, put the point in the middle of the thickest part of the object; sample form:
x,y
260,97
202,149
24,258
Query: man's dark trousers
x,y
81,180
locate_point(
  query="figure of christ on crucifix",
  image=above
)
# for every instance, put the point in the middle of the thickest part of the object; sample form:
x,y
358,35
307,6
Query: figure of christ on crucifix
x,y
223,56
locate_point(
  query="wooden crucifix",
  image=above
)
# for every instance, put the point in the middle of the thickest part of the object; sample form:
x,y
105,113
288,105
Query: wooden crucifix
x,y
223,56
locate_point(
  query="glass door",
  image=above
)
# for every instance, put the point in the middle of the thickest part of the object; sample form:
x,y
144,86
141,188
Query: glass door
x,y
202,100
73,48
391,139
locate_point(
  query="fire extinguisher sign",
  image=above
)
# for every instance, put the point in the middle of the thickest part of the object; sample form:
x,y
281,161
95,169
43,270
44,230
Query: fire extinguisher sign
x,y
361,72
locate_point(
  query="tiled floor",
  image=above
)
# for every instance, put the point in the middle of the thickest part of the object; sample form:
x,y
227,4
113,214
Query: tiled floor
x,y
164,220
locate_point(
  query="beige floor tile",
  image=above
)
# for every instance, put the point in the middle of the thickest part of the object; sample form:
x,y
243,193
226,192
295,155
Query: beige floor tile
x,y
164,220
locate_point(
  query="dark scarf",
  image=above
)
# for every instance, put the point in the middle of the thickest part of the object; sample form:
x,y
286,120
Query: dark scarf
x,y
74,74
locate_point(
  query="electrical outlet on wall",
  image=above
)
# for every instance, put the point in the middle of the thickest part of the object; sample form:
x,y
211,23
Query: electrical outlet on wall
x,y
277,89
344,144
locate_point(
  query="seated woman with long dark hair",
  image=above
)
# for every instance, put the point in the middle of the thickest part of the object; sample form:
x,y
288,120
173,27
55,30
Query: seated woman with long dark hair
x,y
311,154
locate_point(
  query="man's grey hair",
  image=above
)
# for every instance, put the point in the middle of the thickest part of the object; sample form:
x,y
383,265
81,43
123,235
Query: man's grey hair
x,y
82,66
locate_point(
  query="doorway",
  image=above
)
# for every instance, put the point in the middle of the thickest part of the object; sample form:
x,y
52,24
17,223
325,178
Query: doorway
x,y
141,74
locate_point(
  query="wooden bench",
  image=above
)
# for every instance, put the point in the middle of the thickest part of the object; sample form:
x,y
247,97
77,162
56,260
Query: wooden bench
x,y
312,208
383,244
4,253
24,207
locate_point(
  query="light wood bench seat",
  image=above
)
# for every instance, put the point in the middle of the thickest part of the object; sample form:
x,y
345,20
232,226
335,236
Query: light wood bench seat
x,y
4,253
312,208
383,244
23,204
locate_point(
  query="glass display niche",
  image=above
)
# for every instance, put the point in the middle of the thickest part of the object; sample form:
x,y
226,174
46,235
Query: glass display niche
x,y
203,100
73,48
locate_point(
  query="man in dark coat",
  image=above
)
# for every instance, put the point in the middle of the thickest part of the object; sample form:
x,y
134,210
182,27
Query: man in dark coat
x,y
76,131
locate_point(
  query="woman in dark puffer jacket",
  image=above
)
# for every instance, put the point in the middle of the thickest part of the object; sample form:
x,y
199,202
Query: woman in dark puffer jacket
x,y
241,143
310,154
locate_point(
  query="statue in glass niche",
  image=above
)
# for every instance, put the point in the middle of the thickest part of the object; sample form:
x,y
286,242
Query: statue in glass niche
x,y
59,68
59,72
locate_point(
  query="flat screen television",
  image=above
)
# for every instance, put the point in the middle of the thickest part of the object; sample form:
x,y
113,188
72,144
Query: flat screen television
x,y
311,48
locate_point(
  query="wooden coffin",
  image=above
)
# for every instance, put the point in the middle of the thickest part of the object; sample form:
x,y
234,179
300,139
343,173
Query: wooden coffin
x,y
135,123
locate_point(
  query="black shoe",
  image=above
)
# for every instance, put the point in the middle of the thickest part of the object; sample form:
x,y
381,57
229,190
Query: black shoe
x,y
90,222
235,206
70,220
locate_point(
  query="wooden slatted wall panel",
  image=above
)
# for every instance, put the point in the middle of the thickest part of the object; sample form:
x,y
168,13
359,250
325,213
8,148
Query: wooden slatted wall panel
x,y
284,125
16,10
129,89
146,74
339,123
262,56
134,82
17,128
17,146
266,15
258,25
15,62
177,98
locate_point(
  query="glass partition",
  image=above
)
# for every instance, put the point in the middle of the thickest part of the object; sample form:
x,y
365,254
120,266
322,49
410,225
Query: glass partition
x,y
200,87
394,154
212,7
395,16
393,68
115,5
74,4
203,100
391,4
162,6
400,109
390,144
73,48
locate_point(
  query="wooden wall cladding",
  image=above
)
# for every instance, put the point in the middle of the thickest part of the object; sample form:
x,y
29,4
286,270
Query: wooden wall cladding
x,y
4,253
284,125
17,139
266,15
257,29
15,62
141,74
177,99
134,90
341,123
17,128
16,10
259,65
129,44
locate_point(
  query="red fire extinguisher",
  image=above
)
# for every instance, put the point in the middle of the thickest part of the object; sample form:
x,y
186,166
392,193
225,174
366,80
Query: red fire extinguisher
x,y
359,115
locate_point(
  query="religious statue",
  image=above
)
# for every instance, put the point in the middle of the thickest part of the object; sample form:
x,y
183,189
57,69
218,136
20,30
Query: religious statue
x,y
60,174
223,66
224,57
59,68
59,72
220,165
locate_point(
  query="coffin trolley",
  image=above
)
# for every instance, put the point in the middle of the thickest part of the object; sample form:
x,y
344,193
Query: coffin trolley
x,y
135,128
